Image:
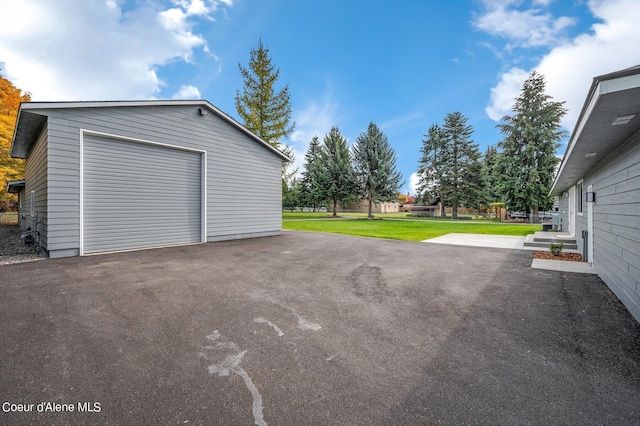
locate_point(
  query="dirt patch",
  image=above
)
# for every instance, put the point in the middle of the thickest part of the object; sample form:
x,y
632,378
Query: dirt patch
x,y
571,257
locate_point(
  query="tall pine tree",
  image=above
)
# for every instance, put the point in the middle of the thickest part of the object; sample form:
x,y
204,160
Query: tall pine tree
x,y
262,110
532,134
463,180
490,160
450,166
310,192
431,167
334,174
374,163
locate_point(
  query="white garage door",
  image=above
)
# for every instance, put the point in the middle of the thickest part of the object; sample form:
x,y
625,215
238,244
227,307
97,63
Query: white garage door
x,y
138,195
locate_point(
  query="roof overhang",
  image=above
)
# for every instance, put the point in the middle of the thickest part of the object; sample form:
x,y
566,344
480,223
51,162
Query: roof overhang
x,y
32,117
609,117
15,186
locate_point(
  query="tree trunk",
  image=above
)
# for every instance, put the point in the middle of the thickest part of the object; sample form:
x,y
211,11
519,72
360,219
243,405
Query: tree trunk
x,y
454,210
335,208
535,212
443,211
369,215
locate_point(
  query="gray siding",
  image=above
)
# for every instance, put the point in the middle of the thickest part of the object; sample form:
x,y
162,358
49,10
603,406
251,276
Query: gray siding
x,y
240,172
36,181
131,201
616,222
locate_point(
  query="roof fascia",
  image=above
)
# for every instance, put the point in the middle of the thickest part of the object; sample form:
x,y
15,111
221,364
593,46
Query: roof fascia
x,y
102,104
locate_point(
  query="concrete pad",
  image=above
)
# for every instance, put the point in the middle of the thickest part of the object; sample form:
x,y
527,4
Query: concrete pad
x,y
480,240
563,266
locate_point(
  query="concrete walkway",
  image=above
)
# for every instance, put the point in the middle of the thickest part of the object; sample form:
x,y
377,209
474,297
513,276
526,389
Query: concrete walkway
x,y
480,240
511,242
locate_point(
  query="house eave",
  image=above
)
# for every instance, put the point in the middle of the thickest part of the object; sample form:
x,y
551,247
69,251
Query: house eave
x,y
594,136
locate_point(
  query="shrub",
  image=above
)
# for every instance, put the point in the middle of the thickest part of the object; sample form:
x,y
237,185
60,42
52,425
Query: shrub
x,y
556,248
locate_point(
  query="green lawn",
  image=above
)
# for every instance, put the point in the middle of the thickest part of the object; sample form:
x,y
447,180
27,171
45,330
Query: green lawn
x,y
401,229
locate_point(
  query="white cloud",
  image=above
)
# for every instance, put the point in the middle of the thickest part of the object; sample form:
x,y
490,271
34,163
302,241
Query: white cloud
x,y
413,183
527,27
503,95
314,120
570,67
96,50
400,121
187,92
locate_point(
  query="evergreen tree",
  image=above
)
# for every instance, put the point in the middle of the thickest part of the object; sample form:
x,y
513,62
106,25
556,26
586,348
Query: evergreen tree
x,y
431,167
475,192
291,193
310,193
461,180
450,166
263,111
375,167
334,173
490,160
532,134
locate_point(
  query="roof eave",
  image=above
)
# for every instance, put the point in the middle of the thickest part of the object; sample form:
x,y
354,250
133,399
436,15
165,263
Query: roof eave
x,y
15,186
600,87
27,106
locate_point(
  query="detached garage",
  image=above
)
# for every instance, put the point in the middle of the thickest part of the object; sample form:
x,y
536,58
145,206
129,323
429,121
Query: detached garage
x,y
114,176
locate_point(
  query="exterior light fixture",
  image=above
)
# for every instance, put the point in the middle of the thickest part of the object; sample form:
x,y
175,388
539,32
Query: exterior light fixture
x,y
591,197
590,154
623,119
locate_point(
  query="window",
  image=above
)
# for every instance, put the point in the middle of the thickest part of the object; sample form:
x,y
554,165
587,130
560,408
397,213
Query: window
x,y
580,196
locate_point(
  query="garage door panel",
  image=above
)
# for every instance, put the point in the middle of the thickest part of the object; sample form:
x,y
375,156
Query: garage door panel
x,y
139,195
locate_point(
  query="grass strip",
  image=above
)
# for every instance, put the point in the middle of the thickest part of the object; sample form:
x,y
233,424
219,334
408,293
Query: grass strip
x,y
405,229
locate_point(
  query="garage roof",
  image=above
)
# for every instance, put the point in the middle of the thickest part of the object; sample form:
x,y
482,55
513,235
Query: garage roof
x,y
609,117
29,124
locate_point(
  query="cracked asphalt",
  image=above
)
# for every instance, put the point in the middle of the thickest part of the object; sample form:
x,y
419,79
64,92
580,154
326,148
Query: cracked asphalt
x,y
313,329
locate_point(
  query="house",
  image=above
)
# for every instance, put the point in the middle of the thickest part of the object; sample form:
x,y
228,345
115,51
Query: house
x,y
598,183
362,206
123,175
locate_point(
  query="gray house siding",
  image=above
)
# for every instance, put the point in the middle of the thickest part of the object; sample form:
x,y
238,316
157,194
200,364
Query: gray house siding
x,y
616,182
240,171
36,187
616,221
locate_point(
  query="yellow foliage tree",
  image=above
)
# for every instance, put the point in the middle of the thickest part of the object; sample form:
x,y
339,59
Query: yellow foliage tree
x,y
10,168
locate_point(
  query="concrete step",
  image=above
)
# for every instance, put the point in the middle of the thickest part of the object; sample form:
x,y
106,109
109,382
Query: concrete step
x,y
543,241
552,237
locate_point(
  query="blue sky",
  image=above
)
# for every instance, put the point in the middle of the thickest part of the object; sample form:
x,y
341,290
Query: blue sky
x,y
403,65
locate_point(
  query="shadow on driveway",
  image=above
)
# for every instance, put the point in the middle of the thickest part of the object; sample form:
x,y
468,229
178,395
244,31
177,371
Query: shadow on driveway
x,y
312,328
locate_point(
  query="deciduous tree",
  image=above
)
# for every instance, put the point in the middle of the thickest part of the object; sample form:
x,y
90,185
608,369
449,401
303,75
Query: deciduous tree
x,y
374,162
10,168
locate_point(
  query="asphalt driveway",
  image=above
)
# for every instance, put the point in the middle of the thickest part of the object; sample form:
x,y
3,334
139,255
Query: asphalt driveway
x,y
313,329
